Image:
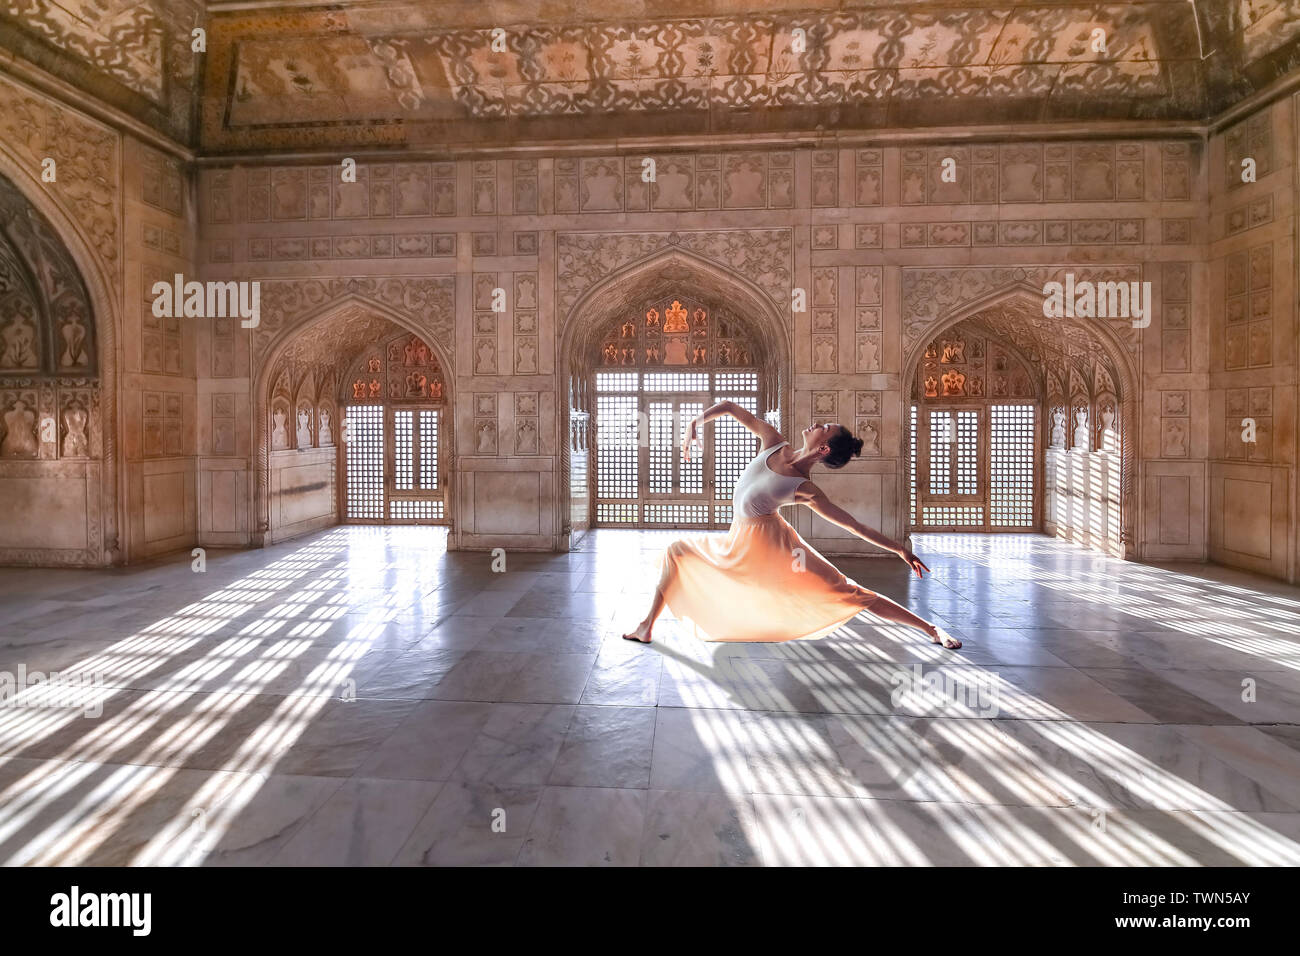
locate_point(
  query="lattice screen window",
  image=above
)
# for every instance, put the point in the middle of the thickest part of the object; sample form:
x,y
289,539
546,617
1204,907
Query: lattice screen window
x,y
676,382
967,452
676,514
617,381
1011,501
735,382
616,447
662,448
972,432
403,450
408,509
959,516
954,452
942,432
365,462
643,412
734,447
913,467
616,514
391,451
429,450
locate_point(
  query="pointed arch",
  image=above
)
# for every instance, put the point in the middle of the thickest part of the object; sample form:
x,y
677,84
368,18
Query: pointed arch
x,y
666,272
107,524
350,305
1021,296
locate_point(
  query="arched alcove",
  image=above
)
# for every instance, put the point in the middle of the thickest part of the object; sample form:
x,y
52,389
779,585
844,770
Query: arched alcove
x,y
313,369
639,299
58,452
1075,369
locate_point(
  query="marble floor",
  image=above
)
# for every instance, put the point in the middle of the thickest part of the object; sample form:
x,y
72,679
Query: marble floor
x,y
363,697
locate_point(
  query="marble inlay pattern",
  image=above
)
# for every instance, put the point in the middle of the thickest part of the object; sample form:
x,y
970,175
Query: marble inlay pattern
x,y
362,698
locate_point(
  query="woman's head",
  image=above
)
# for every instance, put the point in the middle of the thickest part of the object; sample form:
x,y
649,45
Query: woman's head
x,y
833,442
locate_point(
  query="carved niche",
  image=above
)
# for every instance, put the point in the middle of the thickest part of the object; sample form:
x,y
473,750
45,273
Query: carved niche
x,y
403,368
965,363
677,331
49,388
46,323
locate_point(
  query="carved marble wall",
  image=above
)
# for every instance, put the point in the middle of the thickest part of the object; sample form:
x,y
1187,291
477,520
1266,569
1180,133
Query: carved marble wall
x,y
497,261
161,399
1249,409
848,260
129,435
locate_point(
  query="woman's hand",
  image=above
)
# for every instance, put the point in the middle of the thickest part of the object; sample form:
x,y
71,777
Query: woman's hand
x,y
913,562
692,437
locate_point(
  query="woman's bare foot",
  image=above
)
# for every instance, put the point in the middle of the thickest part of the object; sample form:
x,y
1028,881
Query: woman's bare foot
x,y
642,633
941,636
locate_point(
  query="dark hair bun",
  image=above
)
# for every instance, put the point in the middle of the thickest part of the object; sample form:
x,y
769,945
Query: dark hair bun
x,y
857,447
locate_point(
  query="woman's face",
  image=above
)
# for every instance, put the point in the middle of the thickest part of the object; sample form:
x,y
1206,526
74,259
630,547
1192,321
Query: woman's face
x,y
815,435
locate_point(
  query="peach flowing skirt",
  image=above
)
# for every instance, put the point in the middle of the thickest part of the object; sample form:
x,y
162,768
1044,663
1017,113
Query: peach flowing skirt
x,y
761,582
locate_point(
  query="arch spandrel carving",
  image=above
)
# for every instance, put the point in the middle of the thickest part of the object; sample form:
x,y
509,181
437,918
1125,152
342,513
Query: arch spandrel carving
x,y
764,257
931,297
87,161
427,304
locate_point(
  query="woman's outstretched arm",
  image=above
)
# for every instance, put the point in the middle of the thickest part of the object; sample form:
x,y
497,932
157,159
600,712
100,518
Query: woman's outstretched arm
x,y
812,496
768,436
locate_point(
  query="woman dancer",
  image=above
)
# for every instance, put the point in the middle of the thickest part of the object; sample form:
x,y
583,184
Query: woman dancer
x,y
762,582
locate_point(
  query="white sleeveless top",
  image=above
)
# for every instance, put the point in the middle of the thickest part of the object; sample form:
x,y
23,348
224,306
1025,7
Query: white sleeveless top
x,y
760,490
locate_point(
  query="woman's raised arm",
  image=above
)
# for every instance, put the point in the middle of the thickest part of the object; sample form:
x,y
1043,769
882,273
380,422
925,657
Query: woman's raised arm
x,y
768,436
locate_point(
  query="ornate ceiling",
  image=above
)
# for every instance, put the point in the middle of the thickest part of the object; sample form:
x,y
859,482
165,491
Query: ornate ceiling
x,y
132,54
455,73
